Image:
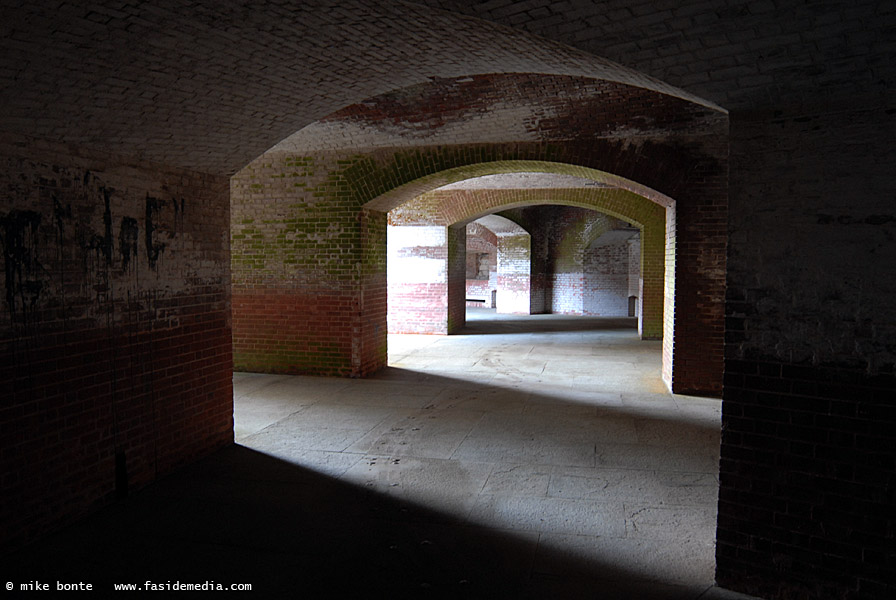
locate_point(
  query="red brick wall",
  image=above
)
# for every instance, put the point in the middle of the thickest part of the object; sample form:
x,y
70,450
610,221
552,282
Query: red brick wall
x,y
115,330
278,331
371,351
809,429
701,226
297,241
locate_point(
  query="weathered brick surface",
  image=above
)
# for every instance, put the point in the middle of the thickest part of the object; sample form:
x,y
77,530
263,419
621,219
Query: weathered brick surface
x,y
805,504
514,273
210,86
457,277
499,108
295,227
610,273
418,279
114,336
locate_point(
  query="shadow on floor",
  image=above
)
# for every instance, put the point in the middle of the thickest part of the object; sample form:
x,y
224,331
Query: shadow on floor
x,y
487,322
240,516
243,516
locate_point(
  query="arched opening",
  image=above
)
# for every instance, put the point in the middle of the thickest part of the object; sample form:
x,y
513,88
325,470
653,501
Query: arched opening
x,y
481,276
566,279
310,215
513,292
509,185
433,275
311,227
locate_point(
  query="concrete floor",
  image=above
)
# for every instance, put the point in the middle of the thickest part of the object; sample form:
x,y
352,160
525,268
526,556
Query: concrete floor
x,y
530,457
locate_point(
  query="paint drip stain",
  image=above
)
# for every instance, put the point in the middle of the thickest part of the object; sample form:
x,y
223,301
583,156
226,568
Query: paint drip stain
x,y
128,235
153,249
103,243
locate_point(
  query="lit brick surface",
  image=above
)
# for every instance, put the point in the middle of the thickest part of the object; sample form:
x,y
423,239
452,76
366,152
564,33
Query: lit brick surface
x,y
482,260
610,273
514,273
418,279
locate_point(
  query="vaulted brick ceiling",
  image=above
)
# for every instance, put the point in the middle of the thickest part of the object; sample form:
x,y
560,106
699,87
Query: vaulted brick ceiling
x,y
210,85
498,107
724,50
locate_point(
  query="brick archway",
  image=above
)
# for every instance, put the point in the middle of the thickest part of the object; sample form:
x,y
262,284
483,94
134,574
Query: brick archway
x,y
447,206
681,370
308,226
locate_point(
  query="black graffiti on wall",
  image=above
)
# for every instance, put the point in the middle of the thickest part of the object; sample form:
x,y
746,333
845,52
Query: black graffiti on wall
x,y
61,214
73,219
22,268
103,243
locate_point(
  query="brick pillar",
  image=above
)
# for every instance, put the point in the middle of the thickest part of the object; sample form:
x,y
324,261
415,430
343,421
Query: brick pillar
x,y
539,283
457,278
371,352
700,240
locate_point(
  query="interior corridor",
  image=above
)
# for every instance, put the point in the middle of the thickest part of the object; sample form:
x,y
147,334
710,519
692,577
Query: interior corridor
x,y
530,457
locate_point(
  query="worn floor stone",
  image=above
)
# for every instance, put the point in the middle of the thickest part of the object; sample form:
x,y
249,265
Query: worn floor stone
x,y
549,426
529,457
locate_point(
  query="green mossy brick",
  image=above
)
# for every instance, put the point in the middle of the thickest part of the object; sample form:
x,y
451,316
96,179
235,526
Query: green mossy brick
x,y
330,243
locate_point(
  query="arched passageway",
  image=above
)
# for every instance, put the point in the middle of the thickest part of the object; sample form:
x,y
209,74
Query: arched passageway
x,y
123,122
310,215
613,197
430,270
565,214
514,291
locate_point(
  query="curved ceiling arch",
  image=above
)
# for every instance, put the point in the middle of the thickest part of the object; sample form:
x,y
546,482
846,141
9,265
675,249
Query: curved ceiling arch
x,y
408,192
500,225
209,86
505,107
451,207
